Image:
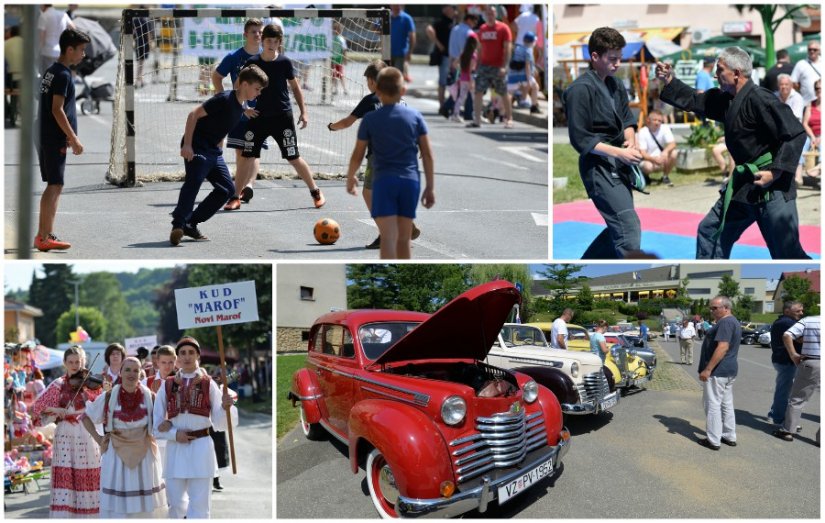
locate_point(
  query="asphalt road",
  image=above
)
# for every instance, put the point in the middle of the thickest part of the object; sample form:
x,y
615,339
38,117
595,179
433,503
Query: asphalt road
x,y
491,203
247,495
640,462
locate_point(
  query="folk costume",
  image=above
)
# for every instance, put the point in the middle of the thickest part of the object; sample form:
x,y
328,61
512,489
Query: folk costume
x,y
75,474
154,384
598,112
761,134
192,402
131,480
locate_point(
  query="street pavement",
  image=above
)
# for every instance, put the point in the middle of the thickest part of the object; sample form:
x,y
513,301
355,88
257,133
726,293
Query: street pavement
x,y
490,185
247,495
641,461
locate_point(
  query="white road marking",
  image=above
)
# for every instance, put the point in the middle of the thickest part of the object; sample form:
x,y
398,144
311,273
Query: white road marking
x,y
500,162
542,220
437,247
522,150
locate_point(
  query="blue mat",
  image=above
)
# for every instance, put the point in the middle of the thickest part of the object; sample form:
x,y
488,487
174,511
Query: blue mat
x,y
571,239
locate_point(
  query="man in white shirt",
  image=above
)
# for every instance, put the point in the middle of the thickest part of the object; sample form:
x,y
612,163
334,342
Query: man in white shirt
x,y
186,406
558,333
658,147
50,26
686,334
806,382
808,71
789,96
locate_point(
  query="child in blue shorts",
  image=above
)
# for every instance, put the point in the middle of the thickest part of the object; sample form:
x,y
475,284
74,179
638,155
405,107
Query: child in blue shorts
x,y
394,133
206,127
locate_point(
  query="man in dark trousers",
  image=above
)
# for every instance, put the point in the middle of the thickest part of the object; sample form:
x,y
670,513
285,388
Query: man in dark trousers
x,y
792,311
765,140
603,131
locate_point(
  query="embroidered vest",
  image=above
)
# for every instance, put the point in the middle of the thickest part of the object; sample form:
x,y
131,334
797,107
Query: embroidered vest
x,y
193,399
154,383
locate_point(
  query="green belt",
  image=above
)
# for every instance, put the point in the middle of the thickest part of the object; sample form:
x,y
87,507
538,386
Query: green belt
x,y
751,169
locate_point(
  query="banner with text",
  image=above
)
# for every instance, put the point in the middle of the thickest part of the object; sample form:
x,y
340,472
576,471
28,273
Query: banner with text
x,y
212,305
304,38
133,344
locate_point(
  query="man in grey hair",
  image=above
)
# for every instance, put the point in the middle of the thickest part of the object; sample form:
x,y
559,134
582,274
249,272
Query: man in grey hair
x,y
765,140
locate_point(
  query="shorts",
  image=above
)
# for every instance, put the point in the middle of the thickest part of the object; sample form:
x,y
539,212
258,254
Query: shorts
x,y
280,126
337,70
398,62
394,196
444,71
487,76
368,174
52,159
237,138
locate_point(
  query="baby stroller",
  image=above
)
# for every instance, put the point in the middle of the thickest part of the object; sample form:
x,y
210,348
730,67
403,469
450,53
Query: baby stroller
x,y
100,50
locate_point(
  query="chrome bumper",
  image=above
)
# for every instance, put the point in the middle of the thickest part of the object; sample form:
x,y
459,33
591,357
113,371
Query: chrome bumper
x,y
478,497
588,407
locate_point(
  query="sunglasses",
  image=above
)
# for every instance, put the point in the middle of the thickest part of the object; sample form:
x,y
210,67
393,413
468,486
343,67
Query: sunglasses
x,y
714,308
813,49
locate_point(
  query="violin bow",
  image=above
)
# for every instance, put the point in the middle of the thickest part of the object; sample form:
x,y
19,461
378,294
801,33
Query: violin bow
x,y
84,379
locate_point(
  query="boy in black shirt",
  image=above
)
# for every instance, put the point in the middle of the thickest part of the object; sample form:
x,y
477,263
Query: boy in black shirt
x,y
273,110
206,127
58,129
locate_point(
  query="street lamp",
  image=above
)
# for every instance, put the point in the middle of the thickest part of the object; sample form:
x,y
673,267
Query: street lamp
x,y
76,304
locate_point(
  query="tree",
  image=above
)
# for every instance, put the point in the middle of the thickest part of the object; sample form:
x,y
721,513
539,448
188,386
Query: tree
x,y
102,291
796,288
585,300
54,295
771,20
168,331
92,320
371,286
514,273
743,308
728,287
416,287
560,279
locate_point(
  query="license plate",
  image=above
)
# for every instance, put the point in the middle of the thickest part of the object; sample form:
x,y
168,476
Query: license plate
x,y
525,481
609,403
641,381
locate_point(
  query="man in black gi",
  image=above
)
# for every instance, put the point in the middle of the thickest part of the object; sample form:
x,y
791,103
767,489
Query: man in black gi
x,y
765,140
603,131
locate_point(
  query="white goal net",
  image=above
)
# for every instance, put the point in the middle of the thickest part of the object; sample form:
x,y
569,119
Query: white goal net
x,y
165,65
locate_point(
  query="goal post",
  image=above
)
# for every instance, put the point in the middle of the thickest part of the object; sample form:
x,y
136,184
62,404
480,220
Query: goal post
x,y
164,71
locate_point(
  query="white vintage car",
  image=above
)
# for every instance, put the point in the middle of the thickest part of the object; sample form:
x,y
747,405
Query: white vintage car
x,y
578,379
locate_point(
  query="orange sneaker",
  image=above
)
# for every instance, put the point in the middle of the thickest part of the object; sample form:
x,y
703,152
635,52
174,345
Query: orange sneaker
x,y
318,197
50,243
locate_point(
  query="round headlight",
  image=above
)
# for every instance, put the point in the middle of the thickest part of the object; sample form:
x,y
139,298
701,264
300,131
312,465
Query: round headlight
x,y
453,410
574,369
531,391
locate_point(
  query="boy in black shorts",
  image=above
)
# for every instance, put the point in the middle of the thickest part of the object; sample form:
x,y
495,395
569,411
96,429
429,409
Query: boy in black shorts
x,y
274,109
58,130
206,127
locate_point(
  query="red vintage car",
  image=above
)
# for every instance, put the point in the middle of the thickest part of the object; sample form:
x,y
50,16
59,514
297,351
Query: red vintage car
x,y
442,432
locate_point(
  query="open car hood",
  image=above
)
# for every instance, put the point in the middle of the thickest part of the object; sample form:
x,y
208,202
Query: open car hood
x,y
466,327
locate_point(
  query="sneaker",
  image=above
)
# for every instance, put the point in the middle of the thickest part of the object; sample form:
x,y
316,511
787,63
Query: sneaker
x,y
666,181
473,125
175,236
708,445
534,109
376,244
416,232
456,118
51,242
247,194
524,104
233,204
729,442
318,196
193,232
781,434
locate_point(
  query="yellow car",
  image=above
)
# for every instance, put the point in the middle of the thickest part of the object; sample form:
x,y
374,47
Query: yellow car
x,y
578,338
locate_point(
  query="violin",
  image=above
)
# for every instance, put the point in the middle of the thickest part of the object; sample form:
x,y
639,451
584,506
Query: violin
x,y
85,378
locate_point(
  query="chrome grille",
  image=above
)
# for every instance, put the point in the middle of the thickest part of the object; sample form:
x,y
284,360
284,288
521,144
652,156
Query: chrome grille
x,y
501,441
594,387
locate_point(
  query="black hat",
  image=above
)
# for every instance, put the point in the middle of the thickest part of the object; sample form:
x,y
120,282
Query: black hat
x,y
190,341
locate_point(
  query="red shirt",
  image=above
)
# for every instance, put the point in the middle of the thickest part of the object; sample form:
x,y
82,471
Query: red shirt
x,y
492,39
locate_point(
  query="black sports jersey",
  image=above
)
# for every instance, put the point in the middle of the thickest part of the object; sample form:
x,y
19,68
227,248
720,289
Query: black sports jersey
x,y
275,96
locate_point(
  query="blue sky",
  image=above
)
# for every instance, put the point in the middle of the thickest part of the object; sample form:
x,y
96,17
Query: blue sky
x,y
749,270
18,274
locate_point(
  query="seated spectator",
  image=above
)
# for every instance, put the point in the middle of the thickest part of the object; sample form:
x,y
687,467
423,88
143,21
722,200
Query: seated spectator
x,y
658,147
521,77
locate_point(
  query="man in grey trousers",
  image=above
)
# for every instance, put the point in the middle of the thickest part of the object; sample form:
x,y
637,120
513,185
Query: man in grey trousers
x,y
806,382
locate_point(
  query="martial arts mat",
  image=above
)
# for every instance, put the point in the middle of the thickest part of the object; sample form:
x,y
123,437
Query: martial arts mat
x,y
665,234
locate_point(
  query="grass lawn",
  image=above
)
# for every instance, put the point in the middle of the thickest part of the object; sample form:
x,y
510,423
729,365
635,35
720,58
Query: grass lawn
x,y
260,407
286,415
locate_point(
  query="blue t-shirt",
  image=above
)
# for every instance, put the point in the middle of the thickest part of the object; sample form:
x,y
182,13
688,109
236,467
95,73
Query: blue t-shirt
x,y
643,331
596,339
400,28
231,66
274,99
704,81
57,80
223,112
726,330
522,56
392,132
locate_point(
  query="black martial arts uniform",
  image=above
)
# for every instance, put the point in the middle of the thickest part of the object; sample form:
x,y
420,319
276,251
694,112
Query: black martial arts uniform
x,y
597,111
756,123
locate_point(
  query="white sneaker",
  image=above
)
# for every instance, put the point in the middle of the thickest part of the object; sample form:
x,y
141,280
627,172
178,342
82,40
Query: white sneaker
x,y
456,118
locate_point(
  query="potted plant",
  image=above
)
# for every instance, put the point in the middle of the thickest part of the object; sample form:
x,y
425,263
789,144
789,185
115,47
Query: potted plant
x,y
697,153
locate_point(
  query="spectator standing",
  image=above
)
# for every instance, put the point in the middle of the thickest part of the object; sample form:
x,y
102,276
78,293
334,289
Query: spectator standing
x,y
812,122
658,147
558,333
439,34
792,311
643,331
458,40
806,381
467,64
704,78
496,47
13,53
783,66
686,335
808,71
718,368
402,39
50,26
788,96
598,345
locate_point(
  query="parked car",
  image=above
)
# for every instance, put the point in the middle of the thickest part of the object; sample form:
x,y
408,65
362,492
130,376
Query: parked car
x,y
627,368
441,432
637,346
577,336
578,379
751,332
765,338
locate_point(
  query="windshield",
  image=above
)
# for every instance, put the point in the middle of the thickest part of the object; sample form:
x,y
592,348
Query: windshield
x,y
522,335
376,338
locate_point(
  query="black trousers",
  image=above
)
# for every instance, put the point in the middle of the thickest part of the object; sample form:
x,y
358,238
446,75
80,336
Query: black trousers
x,y
221,447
